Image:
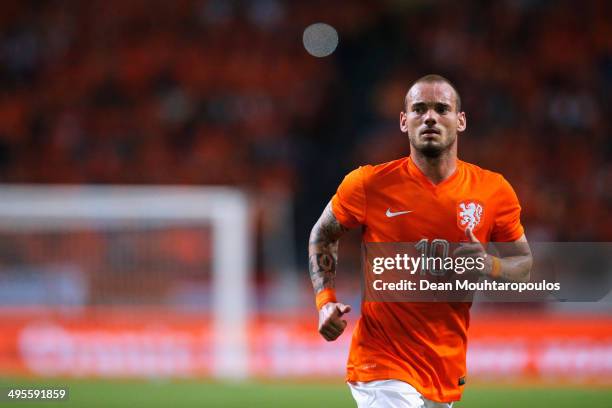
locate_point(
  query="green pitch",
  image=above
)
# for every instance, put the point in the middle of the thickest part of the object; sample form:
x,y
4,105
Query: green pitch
x,y
186,394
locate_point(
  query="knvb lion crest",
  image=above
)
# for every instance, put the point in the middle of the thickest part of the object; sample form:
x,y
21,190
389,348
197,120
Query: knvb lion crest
x,y
469,214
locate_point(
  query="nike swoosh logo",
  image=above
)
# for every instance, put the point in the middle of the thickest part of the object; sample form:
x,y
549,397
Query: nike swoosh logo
x,y
390,214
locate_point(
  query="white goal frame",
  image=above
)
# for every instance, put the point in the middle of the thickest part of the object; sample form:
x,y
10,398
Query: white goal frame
x,y
64,207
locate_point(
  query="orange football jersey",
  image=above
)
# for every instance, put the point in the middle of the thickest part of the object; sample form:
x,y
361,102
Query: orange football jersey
x,y
423,344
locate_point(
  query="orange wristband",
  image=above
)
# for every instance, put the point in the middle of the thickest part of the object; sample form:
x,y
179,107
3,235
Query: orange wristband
x,y
325,296
496,269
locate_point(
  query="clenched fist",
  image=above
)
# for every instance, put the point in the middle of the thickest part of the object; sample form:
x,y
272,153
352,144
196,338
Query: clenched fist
x,y
331,325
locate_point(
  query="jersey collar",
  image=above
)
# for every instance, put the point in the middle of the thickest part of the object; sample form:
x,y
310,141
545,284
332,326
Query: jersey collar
x,y
416,173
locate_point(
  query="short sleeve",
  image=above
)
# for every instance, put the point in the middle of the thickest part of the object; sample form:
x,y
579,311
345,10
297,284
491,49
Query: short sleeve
x,y
507,225
349,202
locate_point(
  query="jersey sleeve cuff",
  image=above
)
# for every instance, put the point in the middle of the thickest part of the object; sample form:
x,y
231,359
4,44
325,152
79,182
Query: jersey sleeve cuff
x,y
512,236
341,215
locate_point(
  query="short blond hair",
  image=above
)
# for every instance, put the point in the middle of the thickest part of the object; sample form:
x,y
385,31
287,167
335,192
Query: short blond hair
x,y
431,78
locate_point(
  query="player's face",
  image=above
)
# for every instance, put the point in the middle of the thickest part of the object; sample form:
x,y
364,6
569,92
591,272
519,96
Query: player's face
x,y
432,120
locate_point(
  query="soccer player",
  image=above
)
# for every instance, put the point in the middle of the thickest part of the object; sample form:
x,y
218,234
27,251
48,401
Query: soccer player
x,y
413,354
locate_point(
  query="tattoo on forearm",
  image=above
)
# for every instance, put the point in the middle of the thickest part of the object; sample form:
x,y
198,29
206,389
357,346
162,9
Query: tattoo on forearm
x,y
322,271
516,269
323,250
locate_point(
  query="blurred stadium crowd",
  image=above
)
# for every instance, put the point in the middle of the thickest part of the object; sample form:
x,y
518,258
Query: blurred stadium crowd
x,y
222,92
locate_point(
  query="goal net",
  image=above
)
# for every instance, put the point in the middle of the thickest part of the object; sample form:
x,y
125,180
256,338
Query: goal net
x,y
127,248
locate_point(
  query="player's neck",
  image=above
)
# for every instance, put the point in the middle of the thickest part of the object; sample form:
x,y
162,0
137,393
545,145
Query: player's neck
x,y
436,169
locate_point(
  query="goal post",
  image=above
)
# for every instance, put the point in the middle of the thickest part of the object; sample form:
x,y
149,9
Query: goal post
x,y
30,208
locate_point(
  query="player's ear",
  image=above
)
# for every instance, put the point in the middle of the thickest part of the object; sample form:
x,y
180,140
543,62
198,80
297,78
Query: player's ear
x,y
461,122
403,122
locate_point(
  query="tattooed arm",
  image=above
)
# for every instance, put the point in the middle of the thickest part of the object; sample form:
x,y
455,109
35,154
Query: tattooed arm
x,y
323,250
514,264
323,257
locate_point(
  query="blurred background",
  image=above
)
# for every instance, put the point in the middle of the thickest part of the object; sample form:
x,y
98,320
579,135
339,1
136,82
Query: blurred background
x,y
103,287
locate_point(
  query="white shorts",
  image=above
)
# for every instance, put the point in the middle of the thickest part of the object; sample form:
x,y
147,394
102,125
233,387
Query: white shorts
x,y
391,394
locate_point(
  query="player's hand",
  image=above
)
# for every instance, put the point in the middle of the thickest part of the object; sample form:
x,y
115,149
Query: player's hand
x,y
474,249
331,324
